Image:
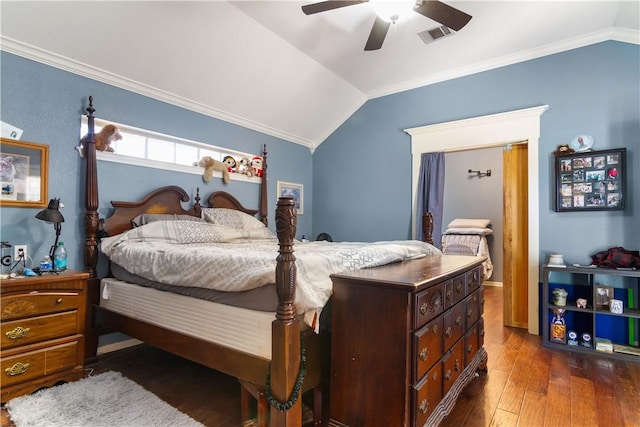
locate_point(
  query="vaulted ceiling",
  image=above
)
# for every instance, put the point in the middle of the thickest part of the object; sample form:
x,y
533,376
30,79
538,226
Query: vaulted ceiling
x,y
267,66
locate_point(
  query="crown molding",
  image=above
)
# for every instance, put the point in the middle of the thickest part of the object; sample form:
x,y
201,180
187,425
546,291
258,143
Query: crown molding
x,y
617,34
85,70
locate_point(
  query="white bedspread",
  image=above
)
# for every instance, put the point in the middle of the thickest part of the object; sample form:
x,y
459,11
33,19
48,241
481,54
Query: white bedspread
x,y
189,253
469,244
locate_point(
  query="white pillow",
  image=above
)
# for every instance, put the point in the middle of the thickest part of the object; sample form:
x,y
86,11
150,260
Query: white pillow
x,y
481,231
469,223
231,218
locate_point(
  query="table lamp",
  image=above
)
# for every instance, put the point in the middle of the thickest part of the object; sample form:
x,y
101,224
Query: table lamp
x,y
52,215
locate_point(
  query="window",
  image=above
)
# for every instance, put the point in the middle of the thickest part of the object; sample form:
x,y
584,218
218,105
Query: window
x,y
145,148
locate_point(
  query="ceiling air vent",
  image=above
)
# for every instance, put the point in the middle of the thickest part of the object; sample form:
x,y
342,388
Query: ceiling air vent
x,y
429,36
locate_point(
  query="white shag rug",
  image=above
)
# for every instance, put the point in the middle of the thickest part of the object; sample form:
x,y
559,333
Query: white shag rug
x,y
107,399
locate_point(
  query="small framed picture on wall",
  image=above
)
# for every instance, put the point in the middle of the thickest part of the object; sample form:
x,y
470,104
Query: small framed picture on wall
x,y
295,191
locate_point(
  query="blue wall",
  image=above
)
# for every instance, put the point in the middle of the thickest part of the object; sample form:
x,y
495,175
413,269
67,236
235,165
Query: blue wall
x,y
47,104
362,173
358,182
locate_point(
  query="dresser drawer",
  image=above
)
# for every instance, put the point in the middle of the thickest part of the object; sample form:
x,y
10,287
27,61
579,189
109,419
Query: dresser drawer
x,y
38,363
429,304
426,395
37,303
471,343
452,366
453,326
454,291
472,308
35,329
428,347
474,279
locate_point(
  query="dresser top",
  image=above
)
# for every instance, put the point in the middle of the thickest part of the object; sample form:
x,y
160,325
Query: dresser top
x,y
415,274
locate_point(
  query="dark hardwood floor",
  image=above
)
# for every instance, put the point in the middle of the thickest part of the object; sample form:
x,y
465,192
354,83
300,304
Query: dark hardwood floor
x,y
526,384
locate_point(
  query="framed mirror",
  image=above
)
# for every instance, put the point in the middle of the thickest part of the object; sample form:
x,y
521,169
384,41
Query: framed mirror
x,y
24,174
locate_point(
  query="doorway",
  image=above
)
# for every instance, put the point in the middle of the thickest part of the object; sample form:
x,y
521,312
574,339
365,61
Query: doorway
x,y
485,132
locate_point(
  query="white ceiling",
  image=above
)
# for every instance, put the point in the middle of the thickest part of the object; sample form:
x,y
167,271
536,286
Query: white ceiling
x,y
267,66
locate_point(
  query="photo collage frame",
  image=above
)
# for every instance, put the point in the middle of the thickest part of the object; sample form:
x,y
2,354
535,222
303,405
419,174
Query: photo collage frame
x,y
591,180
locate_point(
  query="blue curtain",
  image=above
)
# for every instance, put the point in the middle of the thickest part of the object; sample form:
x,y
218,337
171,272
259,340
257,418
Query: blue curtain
x,y
431,193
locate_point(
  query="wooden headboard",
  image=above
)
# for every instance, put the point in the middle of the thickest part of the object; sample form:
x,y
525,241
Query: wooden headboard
x,y
165,200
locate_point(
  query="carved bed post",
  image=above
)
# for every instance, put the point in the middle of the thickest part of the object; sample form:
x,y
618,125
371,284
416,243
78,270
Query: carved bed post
x,y
263,188
91,220
286,363
427,227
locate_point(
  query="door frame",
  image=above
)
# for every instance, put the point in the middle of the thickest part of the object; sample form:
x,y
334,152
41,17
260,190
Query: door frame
x,y
518,126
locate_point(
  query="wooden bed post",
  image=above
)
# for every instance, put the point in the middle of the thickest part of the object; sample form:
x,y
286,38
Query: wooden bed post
x,y
263,188
286,363
91,220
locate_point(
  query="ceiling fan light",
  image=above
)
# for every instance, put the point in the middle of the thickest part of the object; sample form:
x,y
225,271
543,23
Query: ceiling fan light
x,y
392,11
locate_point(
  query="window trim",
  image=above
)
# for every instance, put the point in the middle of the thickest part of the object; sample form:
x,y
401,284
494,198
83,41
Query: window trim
x,y
155,164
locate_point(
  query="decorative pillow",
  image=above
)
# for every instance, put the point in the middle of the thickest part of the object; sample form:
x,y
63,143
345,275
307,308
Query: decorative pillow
x,y
231,218
469,230
469,223
143,219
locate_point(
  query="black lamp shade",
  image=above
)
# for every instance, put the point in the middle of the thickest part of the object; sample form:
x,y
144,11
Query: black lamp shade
x,y
51,213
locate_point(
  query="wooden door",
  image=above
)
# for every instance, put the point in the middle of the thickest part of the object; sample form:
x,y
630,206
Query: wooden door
x,y
515,222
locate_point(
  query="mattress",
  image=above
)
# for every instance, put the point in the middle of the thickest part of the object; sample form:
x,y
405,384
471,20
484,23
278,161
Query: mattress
x,y
238,328
264,298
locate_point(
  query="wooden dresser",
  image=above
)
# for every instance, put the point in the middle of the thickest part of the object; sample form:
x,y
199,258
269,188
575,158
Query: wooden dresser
x,y
410,339
43,323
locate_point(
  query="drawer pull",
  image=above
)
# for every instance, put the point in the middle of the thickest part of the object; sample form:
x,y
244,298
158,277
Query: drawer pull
x,y
433,306
449,295
459,320
459,287
448,332
424,406
59,301
447,376
17,369
435,375
17,332
424,353
470,348
469,314
456,366
435,329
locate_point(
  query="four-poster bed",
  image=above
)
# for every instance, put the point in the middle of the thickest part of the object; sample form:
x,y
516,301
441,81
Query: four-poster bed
x,y
294,348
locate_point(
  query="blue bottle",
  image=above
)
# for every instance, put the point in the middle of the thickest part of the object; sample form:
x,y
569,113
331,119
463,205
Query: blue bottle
x,y
60,258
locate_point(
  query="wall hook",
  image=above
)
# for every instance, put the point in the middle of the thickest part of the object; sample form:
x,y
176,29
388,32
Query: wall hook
x,y
480,174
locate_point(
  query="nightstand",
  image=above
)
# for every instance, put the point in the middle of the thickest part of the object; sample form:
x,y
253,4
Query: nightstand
x,y
43,323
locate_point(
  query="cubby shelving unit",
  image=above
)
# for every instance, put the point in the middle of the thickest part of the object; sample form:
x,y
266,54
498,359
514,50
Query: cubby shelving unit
x,y
598,321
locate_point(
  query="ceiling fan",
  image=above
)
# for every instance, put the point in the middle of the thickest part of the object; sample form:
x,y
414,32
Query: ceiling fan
x,y
432,9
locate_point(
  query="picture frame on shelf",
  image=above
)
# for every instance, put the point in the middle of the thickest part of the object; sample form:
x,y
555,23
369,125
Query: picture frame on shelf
x,y
591,180
296,191
602,295
24,174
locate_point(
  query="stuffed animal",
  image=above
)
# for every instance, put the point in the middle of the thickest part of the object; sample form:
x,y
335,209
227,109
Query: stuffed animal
x,y
563,149
102,139
244,167
256,165
231,163
211,165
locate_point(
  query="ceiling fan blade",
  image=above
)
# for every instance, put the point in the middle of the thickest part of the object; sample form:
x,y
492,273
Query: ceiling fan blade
x,y
377,34
323,6
443,13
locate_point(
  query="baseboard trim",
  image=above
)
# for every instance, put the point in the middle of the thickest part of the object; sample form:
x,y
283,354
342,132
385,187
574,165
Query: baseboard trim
x,y
120,345
495,284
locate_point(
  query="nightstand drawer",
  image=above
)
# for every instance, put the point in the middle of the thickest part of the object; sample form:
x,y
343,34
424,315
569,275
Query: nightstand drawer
x,y
35,329
35,364
37,303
